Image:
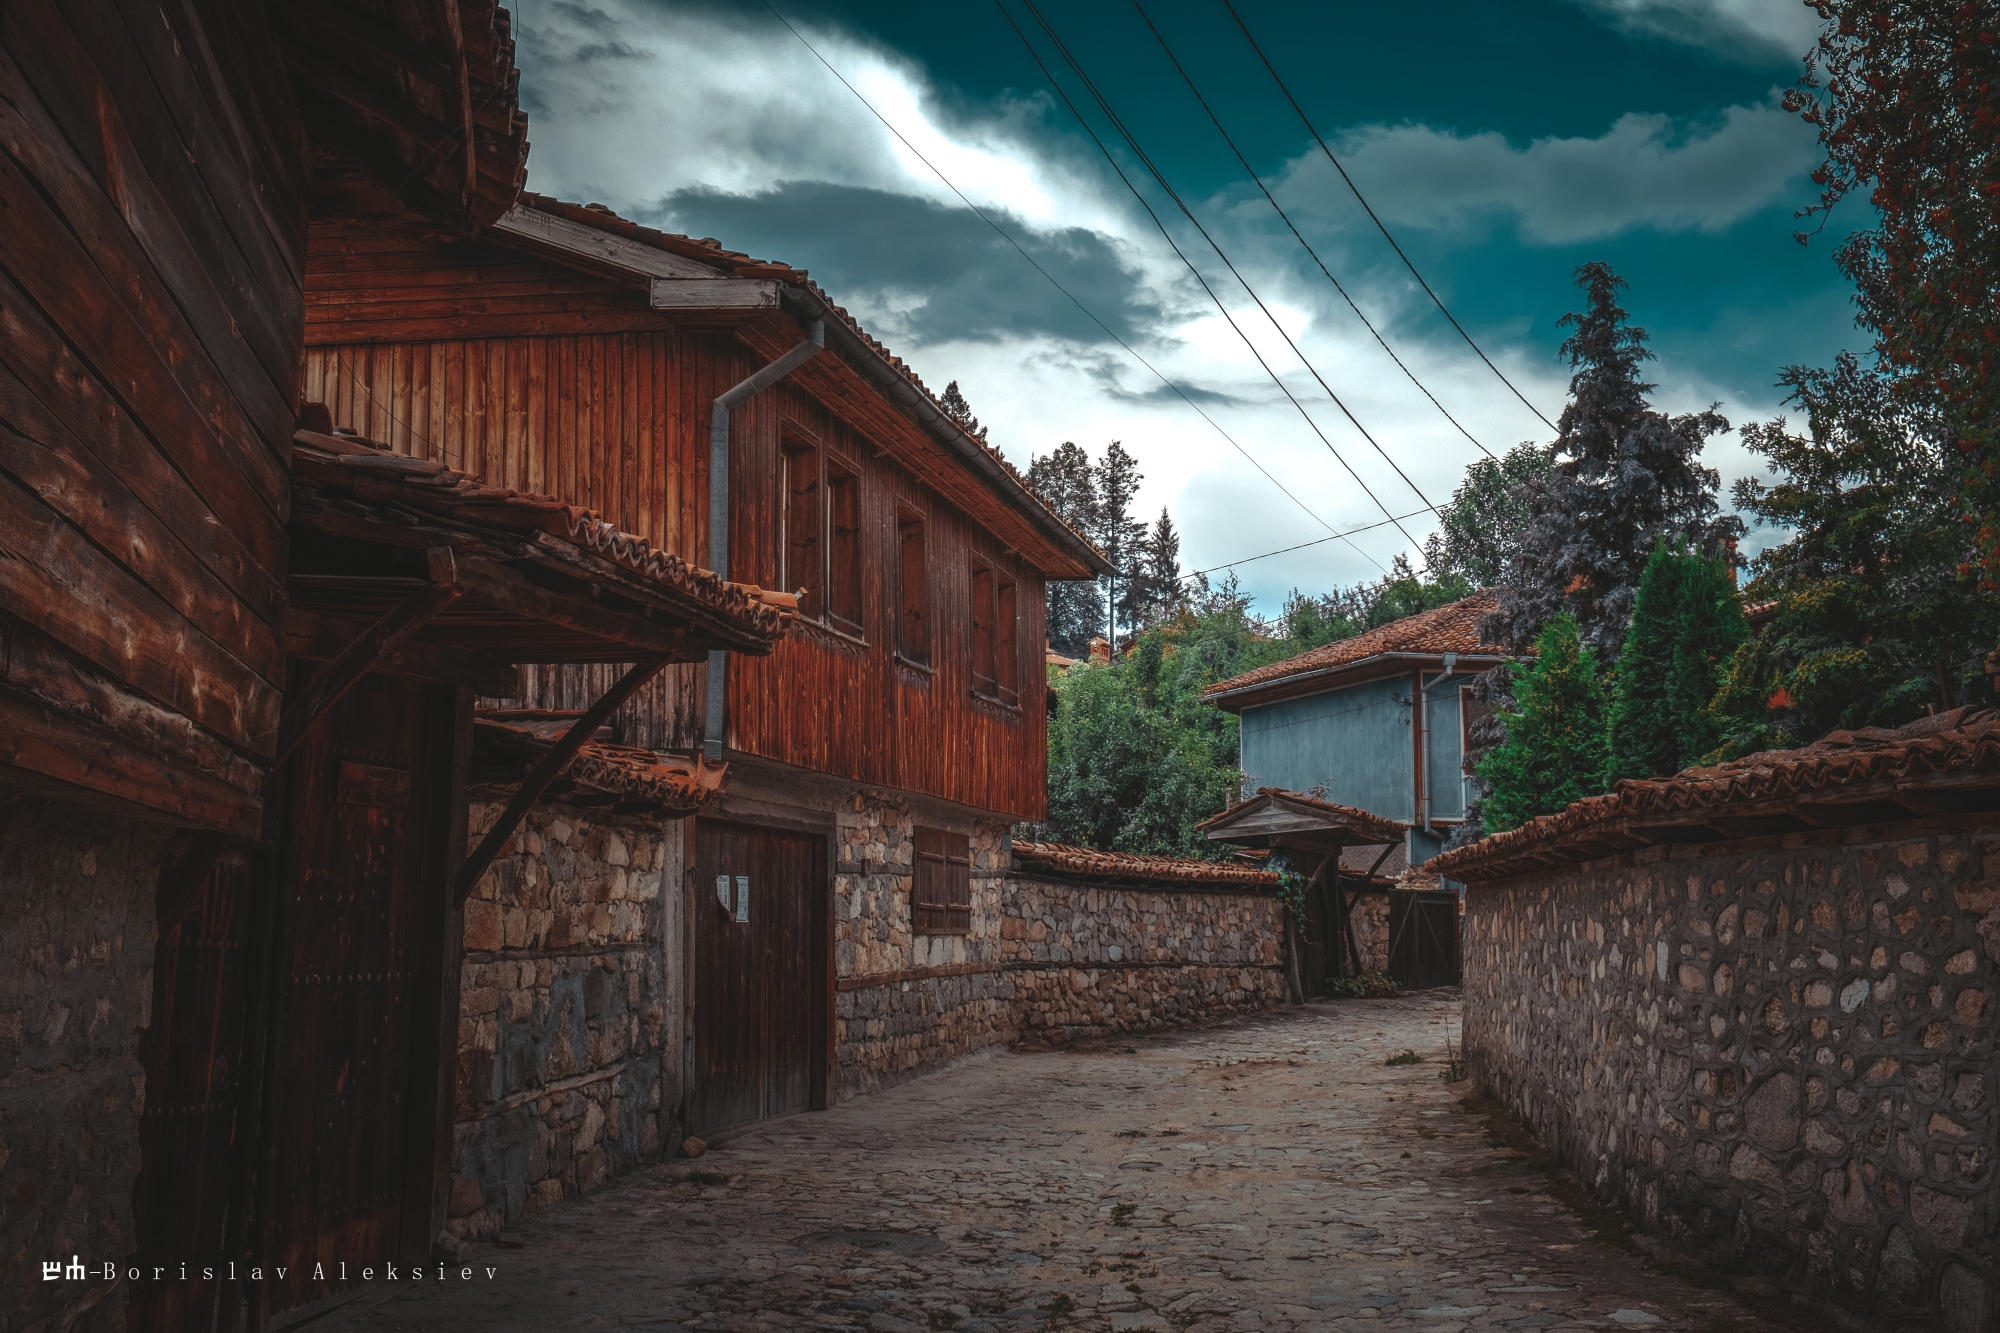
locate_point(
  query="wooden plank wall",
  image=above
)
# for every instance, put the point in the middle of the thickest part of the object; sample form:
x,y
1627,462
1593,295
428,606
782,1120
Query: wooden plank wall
x,y
152,184
409,343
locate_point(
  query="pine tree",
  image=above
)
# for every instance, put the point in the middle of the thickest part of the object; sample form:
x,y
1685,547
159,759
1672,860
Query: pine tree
x,y
1623,476
1554,751
954,405
1155,594
1067,482
1120,536
1687,621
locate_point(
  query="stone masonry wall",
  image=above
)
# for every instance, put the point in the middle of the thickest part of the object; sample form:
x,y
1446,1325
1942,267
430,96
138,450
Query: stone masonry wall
x,y
1087,960
1779,1051
566,1071
906,1003
76,989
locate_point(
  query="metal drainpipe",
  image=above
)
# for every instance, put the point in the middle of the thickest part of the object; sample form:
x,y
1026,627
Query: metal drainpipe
x,y
718,503
1423,710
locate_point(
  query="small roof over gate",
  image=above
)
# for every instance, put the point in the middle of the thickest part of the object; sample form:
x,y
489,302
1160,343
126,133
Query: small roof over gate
x,y
1948,764
1424,637
1297,822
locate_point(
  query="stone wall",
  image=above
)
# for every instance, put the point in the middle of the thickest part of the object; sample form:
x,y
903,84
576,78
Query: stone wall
x,y
1089,960
569,1059
76,989
906,1003
1777,1051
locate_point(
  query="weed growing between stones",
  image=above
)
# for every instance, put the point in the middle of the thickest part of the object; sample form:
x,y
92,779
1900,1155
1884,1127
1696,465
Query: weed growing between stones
x,y
1121,1213
1406,1058
1061,1307
702,1178
1367,986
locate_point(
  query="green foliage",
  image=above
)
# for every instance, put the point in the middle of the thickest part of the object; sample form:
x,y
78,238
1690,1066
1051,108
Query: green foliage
x,y
1874,623
1367,986
1480,529
1687,621
1404,1058
1554,752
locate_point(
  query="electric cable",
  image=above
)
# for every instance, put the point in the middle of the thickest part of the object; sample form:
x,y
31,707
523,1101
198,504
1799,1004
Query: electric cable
x,y
1296,235
1087,312
1132,143
1307,121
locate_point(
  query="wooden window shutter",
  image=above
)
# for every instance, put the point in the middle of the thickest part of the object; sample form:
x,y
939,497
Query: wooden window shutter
x,y
941,887
843,551
803,519
1006,658
913,631
983,681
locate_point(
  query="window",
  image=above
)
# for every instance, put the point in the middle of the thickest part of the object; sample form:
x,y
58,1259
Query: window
x,y
801,525
996,665
1471,712
843,548
941,889
913,626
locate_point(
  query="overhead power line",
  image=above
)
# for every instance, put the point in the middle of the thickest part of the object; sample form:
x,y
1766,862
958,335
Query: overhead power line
x,y
1132,142
1087,312
1362,200
1299,546
1296,235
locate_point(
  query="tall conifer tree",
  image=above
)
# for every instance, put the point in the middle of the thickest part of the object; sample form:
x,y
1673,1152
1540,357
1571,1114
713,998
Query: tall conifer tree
x,y
1686,623
1554,751
1067,480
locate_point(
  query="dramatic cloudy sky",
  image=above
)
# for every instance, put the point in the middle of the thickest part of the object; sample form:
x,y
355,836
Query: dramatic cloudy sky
x,y
1502,144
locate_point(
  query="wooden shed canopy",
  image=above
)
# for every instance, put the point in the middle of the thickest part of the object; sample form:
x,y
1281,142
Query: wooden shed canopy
x,y
421,95
509,744
698,283
1396,646
1297,822
537,580
1948,764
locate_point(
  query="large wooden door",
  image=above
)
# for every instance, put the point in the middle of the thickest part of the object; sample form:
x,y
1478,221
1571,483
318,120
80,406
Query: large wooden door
x,y
757,914
353,1131
1423,939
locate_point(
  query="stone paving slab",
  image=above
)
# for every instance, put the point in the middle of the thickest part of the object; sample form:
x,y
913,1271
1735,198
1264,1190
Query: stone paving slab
x,y
1269,1174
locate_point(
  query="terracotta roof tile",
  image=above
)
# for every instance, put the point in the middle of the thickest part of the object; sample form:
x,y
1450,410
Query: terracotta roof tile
x,y
1957,753
1062,858
735,262
1445,629
668,783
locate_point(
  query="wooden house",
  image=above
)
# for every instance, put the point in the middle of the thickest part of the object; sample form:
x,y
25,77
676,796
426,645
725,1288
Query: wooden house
x,y
839,898
1377,722
238,653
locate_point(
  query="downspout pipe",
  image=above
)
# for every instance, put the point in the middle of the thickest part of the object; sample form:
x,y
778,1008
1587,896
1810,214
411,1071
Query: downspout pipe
x,y
718,502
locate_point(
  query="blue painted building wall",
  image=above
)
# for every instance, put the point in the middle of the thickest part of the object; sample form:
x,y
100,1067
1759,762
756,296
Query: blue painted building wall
x,y
1356,742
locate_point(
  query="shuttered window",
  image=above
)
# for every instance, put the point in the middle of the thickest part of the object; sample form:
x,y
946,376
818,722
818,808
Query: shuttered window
x,y
843,548
941,889
913,626
803,522
982,630
1006,661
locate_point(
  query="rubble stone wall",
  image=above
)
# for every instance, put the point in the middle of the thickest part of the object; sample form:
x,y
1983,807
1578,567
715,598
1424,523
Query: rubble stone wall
x,y
1089,960
569,1069
905,1003
1777,1051
76,990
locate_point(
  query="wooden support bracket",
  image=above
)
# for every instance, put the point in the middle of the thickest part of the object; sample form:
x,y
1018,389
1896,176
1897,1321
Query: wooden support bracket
x,y
547,771
344,672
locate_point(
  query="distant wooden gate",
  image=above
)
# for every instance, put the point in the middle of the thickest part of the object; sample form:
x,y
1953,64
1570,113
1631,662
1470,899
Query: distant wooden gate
x,y
757,913
353,1135
1423,939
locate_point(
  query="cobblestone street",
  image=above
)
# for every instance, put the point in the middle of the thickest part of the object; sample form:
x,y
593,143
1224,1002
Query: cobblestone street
x,y
1273,1173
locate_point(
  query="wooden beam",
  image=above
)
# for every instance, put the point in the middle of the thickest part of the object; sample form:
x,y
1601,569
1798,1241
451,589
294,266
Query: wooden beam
x,y
323,638
365,653
547,771
600,251
732,294
501,587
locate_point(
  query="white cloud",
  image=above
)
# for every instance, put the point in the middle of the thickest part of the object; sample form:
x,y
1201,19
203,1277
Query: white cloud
x,y
1722,26
1645,171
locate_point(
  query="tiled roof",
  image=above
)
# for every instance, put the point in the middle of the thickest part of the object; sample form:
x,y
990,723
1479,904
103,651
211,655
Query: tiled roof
x,y
347,471
1946,763
636,777
1064,859
1445,629
1362,822
710,251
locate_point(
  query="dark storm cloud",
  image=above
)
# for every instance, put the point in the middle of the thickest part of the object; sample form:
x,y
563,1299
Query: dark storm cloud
x,y
936,273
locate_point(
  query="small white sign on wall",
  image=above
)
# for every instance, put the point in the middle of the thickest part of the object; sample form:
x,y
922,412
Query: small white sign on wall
x,y
722,891
742,897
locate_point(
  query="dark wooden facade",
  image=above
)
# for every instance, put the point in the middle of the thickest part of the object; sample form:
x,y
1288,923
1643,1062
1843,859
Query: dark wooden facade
x,y
493,356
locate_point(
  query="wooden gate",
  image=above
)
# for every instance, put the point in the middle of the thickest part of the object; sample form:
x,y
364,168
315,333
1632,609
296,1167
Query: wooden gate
x,y
1423,939
758,916
190,1134
353,1135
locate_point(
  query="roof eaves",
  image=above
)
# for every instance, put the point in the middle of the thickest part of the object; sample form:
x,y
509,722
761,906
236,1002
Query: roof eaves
x,y
1287,684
